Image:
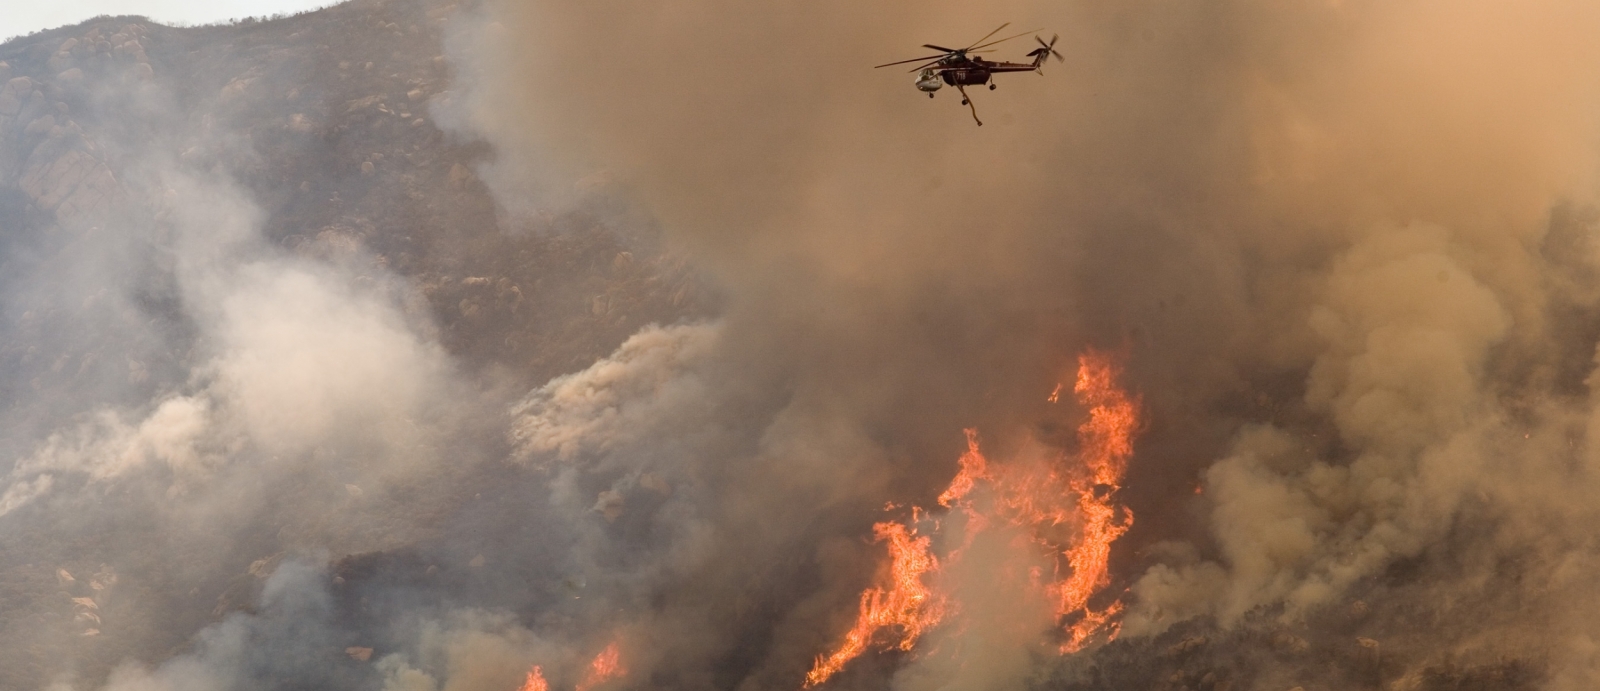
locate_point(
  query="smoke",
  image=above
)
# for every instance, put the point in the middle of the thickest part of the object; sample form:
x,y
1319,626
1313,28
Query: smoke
x,y
300,357
1343,243
239,407
279,645
1346,251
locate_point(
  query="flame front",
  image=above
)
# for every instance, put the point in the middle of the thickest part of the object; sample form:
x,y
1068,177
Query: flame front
x,y
535,681
906,602
974,467
1105,443
1065,507
605,667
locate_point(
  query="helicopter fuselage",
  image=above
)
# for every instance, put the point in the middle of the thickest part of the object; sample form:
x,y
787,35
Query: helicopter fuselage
x,y
959,71
966,76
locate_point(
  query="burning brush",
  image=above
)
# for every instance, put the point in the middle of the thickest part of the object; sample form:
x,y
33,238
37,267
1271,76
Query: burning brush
x,y
1063,509
605,667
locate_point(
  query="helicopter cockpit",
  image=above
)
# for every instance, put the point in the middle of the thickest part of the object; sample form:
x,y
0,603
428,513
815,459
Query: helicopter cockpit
x,y
928,80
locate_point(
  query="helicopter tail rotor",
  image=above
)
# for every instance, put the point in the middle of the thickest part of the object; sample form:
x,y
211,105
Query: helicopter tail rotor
x,y
1045,50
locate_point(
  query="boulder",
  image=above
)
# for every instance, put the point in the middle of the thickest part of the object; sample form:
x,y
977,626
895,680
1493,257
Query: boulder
x,y
14,94
71,185
40,125
361,104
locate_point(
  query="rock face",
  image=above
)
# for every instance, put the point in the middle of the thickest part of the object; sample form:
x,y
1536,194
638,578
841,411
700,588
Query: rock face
x,y
73,184
46,154
325,122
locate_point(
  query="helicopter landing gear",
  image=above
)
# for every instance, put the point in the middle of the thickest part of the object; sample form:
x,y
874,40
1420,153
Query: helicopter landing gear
x,y
991,87
930,95
965,101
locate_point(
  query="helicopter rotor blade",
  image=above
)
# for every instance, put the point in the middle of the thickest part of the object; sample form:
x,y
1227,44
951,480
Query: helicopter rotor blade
x,y
902,62
947,50
941,58
986,36
1052,47
1003,40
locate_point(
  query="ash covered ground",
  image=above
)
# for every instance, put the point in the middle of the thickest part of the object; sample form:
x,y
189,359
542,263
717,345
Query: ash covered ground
x,y
416,345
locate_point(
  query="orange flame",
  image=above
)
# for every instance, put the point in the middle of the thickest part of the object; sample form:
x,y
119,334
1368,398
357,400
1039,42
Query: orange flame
x,y
974,467
535,681
1105,443
605,667
907,602
1069,509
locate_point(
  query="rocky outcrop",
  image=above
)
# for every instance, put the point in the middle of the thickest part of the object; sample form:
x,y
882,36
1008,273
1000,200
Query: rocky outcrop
x,y
72,185
48,155
13,95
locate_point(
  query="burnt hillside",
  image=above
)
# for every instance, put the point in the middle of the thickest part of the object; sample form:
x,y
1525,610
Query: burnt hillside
x,y
324,121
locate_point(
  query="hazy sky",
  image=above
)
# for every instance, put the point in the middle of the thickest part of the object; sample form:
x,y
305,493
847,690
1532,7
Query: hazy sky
x,y
20,18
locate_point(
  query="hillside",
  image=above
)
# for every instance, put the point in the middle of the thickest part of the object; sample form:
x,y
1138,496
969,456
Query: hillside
x,y
322,122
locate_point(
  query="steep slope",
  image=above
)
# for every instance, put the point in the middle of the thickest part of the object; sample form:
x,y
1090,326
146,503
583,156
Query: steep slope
x,y
323,125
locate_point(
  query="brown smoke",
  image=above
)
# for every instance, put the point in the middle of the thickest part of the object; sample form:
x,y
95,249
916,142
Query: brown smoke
x,y
1347,244
1347,251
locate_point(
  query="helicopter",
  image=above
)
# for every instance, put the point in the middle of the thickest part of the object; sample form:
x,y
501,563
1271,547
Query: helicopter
x,y
961,68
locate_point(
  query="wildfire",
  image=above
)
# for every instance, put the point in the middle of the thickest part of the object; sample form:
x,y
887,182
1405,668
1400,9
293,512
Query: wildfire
x,y
906,602
1105,443
535,681
1068,507
974,467
605,667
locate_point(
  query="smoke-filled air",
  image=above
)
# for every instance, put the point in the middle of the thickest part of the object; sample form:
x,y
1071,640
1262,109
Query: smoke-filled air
x,y
522,345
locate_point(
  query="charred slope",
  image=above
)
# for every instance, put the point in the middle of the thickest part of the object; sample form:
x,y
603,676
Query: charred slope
x,y
324,121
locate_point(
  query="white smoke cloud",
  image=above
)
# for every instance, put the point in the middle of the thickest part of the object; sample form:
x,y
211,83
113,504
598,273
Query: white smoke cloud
x,y
303,356
648,391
